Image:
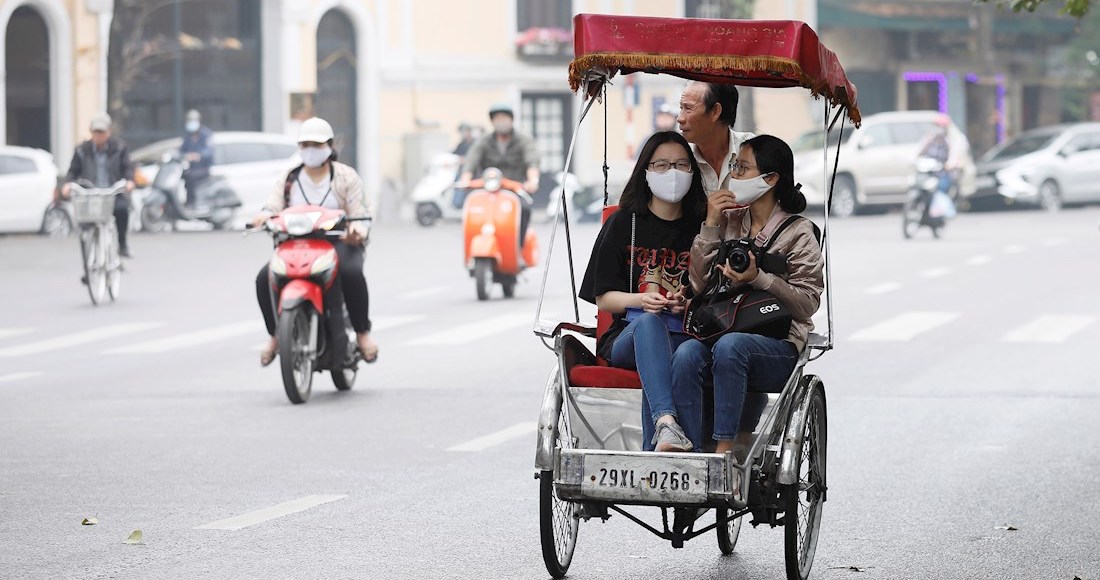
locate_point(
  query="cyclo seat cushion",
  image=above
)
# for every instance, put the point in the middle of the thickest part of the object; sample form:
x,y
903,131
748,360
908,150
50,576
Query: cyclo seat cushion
x,y
600,375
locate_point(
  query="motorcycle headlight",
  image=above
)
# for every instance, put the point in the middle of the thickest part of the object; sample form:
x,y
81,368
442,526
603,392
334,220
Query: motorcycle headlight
x,y
488,230
300,224
323,263
492,185
277,266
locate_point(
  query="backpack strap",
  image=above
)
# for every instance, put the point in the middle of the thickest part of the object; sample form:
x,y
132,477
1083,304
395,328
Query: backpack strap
x,y
290,179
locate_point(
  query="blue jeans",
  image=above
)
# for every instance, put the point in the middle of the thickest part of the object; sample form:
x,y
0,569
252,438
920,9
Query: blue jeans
x,y
646,345
735,361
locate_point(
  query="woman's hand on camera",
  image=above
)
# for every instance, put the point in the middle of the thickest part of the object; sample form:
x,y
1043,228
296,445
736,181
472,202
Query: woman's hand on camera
x,y
717,204
653,302
745,277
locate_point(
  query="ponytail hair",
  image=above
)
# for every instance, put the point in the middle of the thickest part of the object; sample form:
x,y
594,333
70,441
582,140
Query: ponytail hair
x,y
773,155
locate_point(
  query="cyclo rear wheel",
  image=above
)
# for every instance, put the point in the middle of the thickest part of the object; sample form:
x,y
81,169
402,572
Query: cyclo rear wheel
x,y
803,501
558,521
295,358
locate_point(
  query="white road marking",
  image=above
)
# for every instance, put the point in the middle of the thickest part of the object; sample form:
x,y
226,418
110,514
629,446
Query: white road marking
x,y
270,513
477,330
979,260
389,322
10,332
904,327
935,272
1050,329
882,288
425,292
77,338
190,339
19,376
1014,249
1051,242
494,439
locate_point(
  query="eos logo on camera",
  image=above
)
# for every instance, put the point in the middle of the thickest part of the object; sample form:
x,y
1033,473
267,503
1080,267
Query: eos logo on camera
x,y
769,308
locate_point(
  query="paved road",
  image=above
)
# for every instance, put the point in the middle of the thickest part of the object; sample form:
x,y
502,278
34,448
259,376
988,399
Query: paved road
x,y
962,398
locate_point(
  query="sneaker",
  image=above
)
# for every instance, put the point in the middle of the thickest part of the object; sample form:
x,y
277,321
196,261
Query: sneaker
x,y
125,253
670,437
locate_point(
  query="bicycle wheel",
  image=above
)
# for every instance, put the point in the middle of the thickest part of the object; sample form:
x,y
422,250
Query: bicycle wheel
x,y
558,520
93,252
113,261
727,534
803,501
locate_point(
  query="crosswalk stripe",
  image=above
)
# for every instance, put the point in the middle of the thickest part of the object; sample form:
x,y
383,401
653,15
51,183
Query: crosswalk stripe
x,y
494,439
477,330
979,260
77,338
882,288
190,339
10,332
1050,329
269,513
11,378
904,326
935,272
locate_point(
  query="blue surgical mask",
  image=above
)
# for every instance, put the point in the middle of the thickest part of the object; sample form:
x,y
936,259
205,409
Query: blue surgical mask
x,y
191,126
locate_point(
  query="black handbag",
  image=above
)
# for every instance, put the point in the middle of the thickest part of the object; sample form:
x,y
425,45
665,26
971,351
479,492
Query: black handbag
x,y
721,309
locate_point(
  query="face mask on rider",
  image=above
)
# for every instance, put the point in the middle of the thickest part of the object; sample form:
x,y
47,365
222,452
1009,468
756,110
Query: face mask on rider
x,y
191,126
749,190
670,186
503,126
314,156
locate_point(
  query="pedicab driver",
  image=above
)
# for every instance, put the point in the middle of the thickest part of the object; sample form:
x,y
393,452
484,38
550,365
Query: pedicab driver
x,y
707,114
515,154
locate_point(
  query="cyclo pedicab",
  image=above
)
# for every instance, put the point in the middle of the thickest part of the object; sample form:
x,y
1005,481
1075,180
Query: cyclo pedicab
x,y
588,460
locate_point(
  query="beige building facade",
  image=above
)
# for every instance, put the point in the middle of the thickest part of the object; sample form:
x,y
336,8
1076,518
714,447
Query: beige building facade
x,y
412,71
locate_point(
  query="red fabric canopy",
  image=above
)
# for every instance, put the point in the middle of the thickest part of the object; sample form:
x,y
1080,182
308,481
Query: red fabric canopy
x,y
761,53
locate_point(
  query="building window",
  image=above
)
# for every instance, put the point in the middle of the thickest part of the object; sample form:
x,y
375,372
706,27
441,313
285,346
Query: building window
x,y
544,30
548,118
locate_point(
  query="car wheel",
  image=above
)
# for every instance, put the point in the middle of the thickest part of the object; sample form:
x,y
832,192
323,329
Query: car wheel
x,y
1050,196
845,203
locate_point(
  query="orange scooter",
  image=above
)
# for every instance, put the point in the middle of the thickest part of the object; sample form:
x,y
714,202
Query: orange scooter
x,y
491,221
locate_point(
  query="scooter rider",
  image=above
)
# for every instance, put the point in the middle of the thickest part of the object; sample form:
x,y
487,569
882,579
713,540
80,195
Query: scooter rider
x,y
104,160
198,152
516,155
323,181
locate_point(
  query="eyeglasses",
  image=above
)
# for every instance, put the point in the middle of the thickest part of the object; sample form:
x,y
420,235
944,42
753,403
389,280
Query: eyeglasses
x,y
740,168
662,166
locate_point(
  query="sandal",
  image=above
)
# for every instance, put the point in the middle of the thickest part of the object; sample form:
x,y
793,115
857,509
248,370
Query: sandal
x,y
267,356
374,356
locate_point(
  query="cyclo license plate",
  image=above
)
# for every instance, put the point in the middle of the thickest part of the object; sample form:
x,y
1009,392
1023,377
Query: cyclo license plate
x,y
660,478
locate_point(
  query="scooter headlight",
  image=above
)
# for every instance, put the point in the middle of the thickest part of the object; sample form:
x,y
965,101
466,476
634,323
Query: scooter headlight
x,y
300,224
488,230
323,263
277,266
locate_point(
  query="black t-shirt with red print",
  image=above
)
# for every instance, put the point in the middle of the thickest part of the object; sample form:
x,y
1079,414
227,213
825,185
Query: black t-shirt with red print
x,y
660,257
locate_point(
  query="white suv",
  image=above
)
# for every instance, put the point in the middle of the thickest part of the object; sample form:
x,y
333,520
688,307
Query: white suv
x,y
876,160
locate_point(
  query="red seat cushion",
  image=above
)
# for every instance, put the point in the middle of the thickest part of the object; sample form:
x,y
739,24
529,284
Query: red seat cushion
x,y
604,377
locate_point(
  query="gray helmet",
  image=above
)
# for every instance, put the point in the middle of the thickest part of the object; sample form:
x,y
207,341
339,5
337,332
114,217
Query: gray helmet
x,y
501,108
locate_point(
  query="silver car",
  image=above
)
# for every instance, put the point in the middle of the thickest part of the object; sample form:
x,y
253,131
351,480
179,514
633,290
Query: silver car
x,y
1048,167
876,160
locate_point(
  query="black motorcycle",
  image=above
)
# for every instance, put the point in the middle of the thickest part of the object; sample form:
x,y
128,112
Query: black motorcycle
x,y
215,202
920,210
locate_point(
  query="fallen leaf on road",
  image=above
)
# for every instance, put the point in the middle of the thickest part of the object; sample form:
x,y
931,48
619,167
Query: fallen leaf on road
x,y
849,568
1006,527
135,538
89,522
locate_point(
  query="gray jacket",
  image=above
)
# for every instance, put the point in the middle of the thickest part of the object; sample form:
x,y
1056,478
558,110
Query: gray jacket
x,y
118,162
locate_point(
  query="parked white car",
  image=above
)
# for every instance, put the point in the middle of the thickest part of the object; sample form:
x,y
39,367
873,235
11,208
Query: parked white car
x,y
250,162
876,160
1047,167
28,178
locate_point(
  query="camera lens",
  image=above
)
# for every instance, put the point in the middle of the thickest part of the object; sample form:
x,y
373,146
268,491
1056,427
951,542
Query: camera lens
x,y
739,259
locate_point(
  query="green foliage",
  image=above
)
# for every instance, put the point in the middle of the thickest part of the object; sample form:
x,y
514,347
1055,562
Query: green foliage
x,y
1077,8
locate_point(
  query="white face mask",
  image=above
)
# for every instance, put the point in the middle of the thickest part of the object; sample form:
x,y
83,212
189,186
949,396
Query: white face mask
x,y
670,186
503,126
191,126
314,156
749,190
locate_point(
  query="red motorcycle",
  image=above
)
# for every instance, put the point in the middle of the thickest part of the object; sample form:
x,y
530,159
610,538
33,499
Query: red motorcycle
x,y
313,335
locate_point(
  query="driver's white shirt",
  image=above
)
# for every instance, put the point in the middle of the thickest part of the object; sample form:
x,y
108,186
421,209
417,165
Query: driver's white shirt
x,y
715,180
315,192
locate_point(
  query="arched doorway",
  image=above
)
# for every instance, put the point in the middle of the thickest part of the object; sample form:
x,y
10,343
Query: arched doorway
x,y
337,84
27,86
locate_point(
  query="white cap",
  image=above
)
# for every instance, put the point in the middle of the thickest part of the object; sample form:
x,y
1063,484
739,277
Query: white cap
x,y
101,122
315,130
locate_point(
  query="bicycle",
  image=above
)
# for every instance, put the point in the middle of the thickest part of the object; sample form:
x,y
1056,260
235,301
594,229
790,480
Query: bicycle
x,y
93,212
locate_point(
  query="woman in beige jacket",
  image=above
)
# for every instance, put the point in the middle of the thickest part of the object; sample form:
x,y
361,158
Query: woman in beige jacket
x,y
761,196
323,181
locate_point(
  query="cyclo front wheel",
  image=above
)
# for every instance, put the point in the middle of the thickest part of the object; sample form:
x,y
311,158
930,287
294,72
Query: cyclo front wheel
x,y
802,501
558,521
295,355
95,272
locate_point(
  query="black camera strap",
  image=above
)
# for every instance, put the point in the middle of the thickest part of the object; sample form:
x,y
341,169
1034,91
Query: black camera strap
x,y
714,277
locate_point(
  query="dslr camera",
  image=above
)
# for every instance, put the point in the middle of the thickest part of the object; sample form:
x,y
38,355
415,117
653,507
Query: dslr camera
x,y
736,253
